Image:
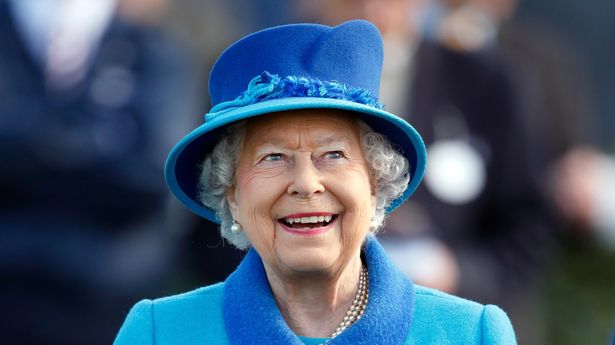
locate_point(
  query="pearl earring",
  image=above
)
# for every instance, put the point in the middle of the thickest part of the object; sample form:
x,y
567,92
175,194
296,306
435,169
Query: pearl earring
x,y
236,227
373,225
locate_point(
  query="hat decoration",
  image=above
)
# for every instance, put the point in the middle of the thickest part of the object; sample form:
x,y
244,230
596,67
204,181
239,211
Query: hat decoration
x,y
270,86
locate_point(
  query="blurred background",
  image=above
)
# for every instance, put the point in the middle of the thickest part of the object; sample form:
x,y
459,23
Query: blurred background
x,y
515,100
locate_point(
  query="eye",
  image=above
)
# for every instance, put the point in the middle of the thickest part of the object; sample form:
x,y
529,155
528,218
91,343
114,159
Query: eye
x,y
334,155
273,157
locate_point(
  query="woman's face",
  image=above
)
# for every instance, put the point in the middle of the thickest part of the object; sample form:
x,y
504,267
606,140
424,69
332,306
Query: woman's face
x,y
303,194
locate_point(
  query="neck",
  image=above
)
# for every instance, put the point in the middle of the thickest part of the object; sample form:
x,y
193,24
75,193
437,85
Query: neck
x,y
313,304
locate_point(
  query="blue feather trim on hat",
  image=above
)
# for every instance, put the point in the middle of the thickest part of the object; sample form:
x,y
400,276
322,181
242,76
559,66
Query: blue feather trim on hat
x,y
268,86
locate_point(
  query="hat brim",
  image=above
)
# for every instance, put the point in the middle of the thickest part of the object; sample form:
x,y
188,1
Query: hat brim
x,y
183,166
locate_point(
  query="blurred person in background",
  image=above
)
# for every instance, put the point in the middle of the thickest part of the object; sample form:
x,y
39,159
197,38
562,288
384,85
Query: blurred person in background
x,y
479,227
551,73
553,92
91,99
551,95
206,28
580,288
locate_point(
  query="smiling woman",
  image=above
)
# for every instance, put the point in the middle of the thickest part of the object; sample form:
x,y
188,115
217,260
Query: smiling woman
x,y
301,168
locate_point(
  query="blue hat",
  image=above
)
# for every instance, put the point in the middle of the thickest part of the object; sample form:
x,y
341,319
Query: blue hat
x,y
298,66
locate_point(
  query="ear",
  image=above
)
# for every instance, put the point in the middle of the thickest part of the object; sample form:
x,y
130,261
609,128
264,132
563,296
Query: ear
x,y
232,202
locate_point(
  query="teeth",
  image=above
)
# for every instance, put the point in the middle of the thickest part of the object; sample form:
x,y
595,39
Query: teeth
x,y
309,220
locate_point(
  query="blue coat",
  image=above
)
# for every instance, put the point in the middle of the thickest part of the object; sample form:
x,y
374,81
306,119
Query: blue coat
x,y
242,310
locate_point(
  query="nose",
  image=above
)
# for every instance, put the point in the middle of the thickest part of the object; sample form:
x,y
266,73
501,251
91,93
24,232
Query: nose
x,y
306,178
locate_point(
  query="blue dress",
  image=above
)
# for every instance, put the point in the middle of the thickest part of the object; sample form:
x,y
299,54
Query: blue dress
x,y
242,310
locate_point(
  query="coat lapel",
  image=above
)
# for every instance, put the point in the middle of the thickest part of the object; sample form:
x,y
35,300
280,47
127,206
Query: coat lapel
x,y
251,315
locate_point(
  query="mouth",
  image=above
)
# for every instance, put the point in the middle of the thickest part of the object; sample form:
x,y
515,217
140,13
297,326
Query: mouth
x,y
308,223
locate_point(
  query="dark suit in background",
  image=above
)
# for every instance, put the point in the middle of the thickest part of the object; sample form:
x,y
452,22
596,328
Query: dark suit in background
x,y
500,235
84,218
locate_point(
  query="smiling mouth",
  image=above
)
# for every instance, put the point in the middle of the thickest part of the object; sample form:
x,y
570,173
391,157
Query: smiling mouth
x,y
308,223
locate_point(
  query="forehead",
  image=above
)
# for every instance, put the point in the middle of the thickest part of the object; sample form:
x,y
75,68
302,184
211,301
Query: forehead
x,y
320,124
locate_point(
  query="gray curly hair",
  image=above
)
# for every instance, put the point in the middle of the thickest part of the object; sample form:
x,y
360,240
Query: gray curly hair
x,y
387,167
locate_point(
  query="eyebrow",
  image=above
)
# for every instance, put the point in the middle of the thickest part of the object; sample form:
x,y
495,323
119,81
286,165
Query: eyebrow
x,y
269,142
279,142
332,140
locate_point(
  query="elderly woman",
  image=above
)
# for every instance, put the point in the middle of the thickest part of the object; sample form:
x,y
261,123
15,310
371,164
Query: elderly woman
x,y
299,163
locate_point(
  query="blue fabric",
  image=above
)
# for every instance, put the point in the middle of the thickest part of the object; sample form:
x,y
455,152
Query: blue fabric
x,y
350,53
243,311
194,317
444,319
387,317
319,67
271,86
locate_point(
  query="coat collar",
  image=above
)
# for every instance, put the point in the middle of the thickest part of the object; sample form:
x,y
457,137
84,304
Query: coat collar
x,y
251,315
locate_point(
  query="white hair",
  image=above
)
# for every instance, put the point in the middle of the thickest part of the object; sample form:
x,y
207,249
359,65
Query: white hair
x,y
388,169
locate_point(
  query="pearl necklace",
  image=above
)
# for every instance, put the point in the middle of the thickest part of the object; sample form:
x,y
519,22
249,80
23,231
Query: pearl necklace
x,y
358,305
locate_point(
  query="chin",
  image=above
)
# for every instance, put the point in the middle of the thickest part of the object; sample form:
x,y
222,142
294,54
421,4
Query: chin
x,y
307,259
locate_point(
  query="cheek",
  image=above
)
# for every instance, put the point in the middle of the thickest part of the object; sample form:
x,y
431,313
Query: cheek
x,y
356,198
256,190
354,192
255,204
